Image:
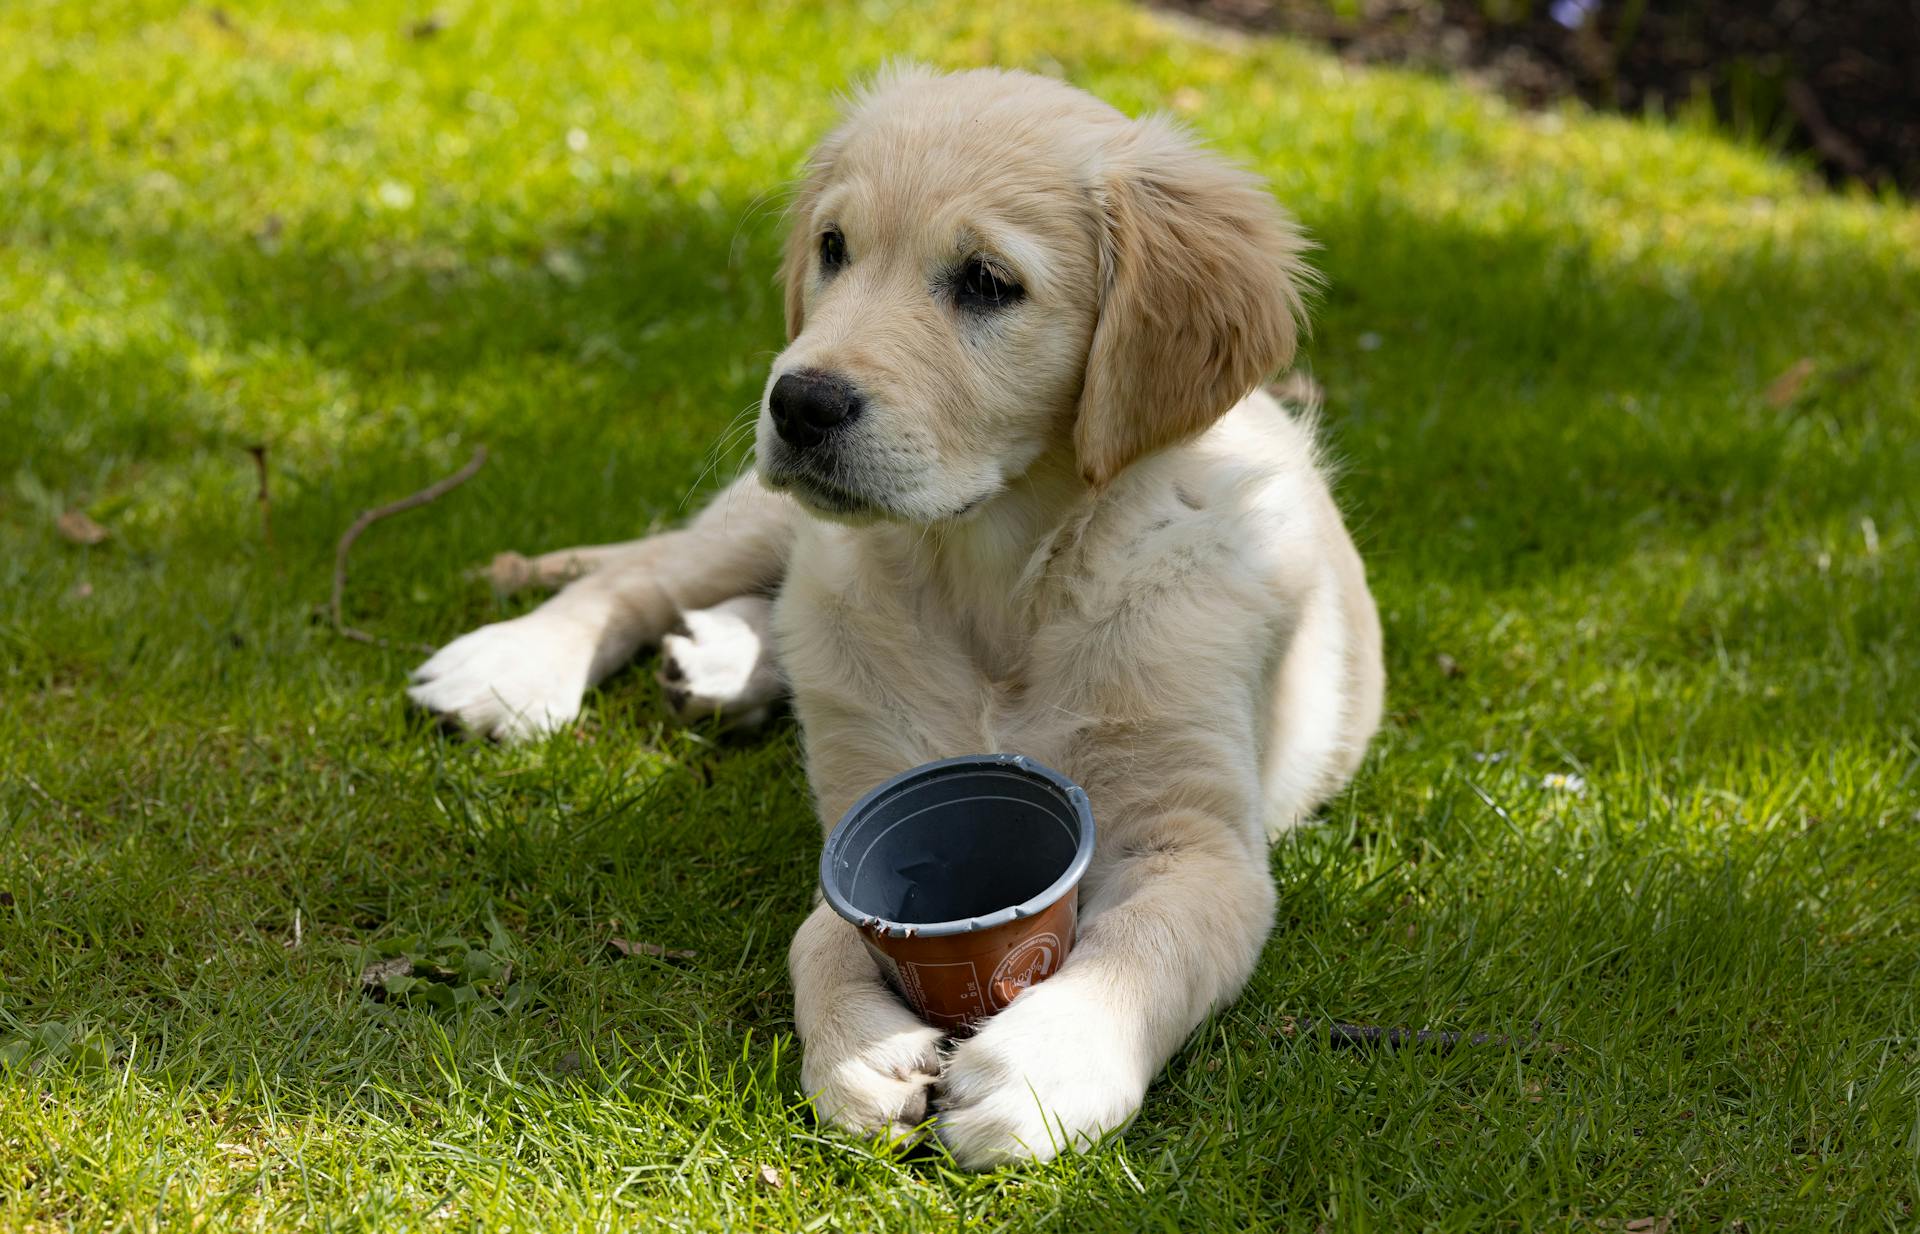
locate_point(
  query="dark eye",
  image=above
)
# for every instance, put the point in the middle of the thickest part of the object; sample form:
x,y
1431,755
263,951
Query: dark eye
x,y
982,288
833,250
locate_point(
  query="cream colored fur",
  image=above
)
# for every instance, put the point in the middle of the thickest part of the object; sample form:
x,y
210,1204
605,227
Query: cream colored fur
x,y
1083,535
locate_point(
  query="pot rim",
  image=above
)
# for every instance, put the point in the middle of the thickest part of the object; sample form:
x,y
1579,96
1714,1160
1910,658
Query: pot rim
x,y
1018,765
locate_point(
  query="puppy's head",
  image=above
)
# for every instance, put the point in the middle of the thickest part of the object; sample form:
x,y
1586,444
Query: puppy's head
x,y
986,265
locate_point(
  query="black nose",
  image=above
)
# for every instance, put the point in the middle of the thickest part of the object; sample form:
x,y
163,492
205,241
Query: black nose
x,y
808,404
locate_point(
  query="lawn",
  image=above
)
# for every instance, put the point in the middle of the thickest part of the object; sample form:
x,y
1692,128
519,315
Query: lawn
x,y
1651,774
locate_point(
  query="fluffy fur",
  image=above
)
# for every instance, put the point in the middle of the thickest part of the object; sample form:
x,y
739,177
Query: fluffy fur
x,y
1072,528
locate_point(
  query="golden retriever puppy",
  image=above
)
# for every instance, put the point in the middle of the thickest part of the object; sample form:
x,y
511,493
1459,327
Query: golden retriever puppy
x,y
1018,489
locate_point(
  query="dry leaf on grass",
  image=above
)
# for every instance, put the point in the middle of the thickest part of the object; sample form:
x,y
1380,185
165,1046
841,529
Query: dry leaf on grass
x,y
627,947
1448,666
1649,1225
78,528
771,1177
374,976
507,573
510,572
1788,385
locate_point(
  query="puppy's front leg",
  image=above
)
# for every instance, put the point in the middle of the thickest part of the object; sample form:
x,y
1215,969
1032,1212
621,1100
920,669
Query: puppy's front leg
x,y
521,678
720,663
869,1062
1171,934
876,693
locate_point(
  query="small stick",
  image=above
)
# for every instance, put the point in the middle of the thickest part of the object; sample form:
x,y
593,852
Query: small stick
x,y
433,492
259,453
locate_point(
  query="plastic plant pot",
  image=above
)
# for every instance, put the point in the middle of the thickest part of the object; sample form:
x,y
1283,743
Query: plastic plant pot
x,y
963,878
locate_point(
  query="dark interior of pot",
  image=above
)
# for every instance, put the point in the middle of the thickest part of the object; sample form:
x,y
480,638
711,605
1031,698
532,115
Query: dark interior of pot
x,y
960,845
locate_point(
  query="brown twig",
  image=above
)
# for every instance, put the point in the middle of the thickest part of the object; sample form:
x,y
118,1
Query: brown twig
x,y
259,453
433,492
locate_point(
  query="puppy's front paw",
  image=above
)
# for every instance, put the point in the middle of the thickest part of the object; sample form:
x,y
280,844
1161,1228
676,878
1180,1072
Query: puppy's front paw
x,y
1050,1074
873,1077
720,664
513,680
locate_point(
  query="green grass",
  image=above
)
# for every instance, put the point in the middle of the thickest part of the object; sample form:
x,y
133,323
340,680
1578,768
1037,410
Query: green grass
x,y
1547,343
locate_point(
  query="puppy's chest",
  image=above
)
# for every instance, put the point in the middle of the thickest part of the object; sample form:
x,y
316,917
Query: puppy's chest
x,y
961,682
1011,702
1021,662
1026,688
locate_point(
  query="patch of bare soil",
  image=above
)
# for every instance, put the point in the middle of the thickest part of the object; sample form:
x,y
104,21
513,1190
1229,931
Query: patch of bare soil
x,y
1839,79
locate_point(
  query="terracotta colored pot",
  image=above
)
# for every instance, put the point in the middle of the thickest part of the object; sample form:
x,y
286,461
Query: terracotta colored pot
x,y
963,877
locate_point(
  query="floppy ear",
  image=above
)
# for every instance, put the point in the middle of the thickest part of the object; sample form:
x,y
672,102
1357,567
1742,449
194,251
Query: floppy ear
x,y
1200,295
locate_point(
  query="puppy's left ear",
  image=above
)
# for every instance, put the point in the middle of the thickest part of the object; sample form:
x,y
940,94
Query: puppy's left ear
x,y
1201,276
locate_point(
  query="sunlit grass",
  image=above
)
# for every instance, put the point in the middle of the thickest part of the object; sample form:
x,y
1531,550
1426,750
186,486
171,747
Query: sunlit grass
x,y
1548,342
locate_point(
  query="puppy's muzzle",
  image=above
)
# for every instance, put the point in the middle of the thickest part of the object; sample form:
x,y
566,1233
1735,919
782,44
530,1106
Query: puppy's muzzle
x,y
808,406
